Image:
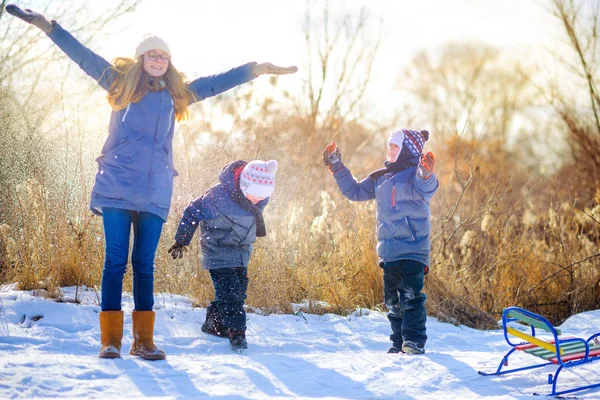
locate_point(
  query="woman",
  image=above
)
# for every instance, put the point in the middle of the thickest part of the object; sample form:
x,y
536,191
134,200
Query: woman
x,y
134,182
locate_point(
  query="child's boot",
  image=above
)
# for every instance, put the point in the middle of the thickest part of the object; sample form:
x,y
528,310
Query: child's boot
x,y
410,347
396,348
237,340
143,336
111,334
213,324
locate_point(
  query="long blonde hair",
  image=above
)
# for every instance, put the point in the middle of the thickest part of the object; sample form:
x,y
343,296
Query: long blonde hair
x,y
131,83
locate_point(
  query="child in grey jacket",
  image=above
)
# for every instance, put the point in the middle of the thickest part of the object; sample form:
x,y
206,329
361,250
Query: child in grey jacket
x,y
402,190
230,218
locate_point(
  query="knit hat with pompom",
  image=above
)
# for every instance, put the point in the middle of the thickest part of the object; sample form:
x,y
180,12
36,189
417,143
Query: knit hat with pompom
x,y
258,178
412,140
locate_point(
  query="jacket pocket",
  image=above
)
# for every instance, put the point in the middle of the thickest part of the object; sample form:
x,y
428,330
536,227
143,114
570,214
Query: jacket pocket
x,y
123,153
411,230
225,239
245,229
399,229
161,197
161,182
419,227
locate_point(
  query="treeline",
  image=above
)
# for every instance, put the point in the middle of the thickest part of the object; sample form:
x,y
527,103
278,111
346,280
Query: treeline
x,y
516,220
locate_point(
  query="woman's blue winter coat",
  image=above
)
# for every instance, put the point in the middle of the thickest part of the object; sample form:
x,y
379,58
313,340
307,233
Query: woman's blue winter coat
x,y
135,169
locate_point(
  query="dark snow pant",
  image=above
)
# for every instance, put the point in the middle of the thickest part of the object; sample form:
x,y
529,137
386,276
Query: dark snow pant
x,y
231,285
403,281
146,233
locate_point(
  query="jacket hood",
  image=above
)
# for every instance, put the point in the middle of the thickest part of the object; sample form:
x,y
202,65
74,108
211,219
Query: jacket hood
x,y
230,175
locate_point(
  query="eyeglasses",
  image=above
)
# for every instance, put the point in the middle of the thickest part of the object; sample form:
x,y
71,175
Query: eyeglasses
x,y
156,57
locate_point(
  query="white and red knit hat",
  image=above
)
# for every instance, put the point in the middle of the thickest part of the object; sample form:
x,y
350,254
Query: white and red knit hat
x,y
258,178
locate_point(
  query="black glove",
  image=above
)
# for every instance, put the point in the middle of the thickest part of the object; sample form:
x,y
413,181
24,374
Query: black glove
x,y
31,17
176,250
332,157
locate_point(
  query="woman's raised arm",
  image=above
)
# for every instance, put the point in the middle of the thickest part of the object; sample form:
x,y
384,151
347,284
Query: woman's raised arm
x,y
213,85
91,63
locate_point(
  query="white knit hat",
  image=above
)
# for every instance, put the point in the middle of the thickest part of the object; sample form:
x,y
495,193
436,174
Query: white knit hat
x,y
151,42
258,178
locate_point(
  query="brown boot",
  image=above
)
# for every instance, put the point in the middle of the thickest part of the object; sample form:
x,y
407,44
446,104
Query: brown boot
x,y
143,332
111,333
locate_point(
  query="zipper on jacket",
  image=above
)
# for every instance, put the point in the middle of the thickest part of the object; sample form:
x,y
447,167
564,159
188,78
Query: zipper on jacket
x,y
148,198
170,115
126,112
394,196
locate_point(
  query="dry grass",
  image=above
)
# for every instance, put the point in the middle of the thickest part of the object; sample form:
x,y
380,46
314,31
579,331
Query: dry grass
x,y
500,237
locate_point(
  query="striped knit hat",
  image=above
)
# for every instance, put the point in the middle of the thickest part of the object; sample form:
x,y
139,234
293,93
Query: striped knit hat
x,y
414,141
258,178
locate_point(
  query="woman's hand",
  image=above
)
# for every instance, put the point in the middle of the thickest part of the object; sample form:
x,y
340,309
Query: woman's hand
x,y
31,17
268,68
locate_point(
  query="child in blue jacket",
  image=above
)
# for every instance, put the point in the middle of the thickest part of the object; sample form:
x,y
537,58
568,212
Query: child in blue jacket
x,y
402,190
230,218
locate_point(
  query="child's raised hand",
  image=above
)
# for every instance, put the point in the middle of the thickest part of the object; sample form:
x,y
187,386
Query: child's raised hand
x,y
176,250
268,68
332,157
426,166
31,17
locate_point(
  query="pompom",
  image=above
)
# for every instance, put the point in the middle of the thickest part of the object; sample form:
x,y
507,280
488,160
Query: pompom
x,y
272,166
425,134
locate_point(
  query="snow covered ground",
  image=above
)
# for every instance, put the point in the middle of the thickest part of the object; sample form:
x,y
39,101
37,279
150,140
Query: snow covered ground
x,y
289,356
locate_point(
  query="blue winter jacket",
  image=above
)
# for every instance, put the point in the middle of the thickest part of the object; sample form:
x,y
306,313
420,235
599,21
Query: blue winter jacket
x,y
227,230
403,216
135,169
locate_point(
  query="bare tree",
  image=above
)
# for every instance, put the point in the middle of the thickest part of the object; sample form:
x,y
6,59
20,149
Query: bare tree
x,y
22,45
26,55
469,89
340,53
581,23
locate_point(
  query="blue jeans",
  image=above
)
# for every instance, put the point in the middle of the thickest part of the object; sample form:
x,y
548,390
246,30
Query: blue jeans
x,y
402,284
231,285
147,228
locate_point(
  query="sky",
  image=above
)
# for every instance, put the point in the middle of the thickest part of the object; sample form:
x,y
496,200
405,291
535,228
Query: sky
x,y
49,350
208,37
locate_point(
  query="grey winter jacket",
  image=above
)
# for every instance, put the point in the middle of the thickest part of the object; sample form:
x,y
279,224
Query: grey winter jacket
x,y
227,230
403,216
135,169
